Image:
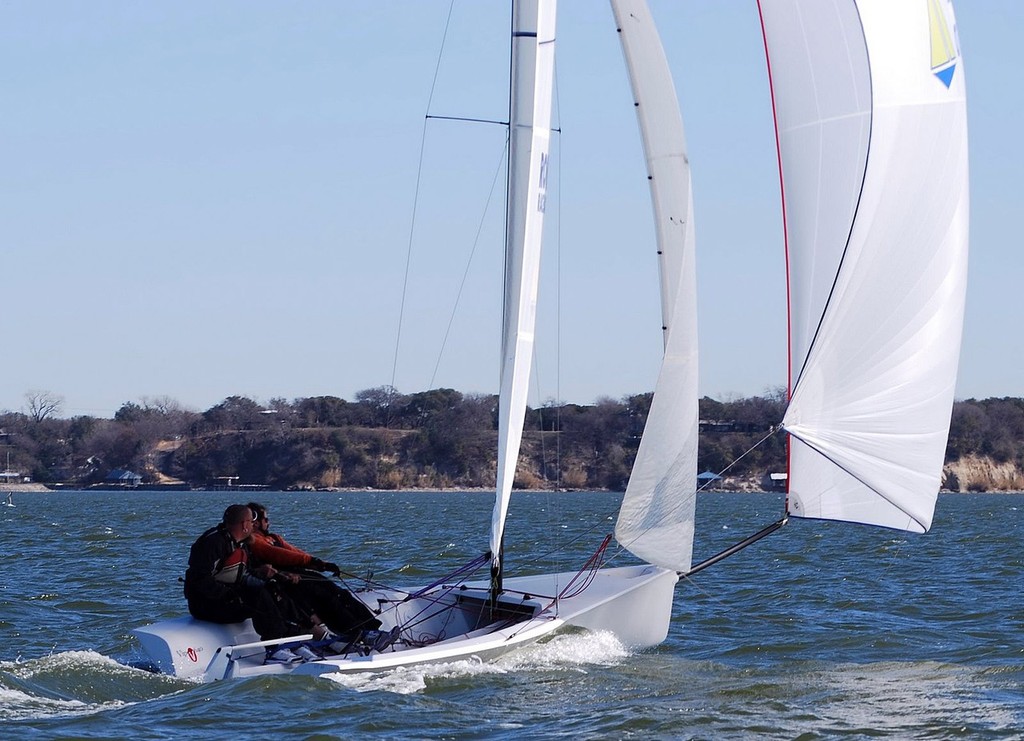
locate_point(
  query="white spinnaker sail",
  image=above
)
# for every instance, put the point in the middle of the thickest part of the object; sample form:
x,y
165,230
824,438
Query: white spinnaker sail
x,y
533,60
870,110
657,514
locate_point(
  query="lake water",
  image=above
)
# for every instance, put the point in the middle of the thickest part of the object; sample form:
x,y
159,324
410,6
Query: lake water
x,y
821,630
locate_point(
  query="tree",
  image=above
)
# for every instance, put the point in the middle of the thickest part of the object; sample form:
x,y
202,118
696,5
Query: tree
x,y
235,413
324,411
117,445
967,430
379,405
43,404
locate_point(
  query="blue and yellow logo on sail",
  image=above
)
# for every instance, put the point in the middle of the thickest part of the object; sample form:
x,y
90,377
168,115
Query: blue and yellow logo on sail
x,y
944,54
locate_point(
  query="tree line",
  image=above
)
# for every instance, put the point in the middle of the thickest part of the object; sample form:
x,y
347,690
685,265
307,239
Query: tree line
x,y
441,438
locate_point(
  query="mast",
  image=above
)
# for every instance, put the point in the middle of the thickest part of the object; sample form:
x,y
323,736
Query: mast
x,y
532,74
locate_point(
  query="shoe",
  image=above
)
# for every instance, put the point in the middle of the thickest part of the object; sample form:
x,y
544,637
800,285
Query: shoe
x,y
384,640
305,653
282,656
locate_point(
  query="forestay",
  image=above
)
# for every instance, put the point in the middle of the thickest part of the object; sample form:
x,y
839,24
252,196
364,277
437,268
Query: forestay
x,y
657,514
533,59
869,101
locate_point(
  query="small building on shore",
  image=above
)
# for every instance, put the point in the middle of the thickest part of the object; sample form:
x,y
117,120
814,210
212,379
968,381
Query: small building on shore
x,y
123,478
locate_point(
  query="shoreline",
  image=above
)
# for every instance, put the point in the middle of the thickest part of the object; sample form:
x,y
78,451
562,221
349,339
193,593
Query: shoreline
x,y
34,488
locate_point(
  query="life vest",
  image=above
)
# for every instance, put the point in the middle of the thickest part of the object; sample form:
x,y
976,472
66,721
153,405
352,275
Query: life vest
x,y
232,567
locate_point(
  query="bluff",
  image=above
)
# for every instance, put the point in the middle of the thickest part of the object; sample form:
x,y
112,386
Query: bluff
x,y
980,473
444,439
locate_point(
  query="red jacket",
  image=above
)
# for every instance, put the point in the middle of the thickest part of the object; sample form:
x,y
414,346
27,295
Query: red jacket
x,y
273,549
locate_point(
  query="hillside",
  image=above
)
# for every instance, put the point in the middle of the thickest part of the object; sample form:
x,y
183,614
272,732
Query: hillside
x,y
442,439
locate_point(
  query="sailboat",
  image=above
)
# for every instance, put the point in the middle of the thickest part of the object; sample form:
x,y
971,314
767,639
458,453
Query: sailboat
x,y
869,103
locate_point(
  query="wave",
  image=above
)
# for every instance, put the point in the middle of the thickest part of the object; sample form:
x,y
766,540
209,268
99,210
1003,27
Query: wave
x,y
569,651
73,683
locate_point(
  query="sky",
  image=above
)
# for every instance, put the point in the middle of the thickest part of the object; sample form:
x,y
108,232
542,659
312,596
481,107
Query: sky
x,y
200,200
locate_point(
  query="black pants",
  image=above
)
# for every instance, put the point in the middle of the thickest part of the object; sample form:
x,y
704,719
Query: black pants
x,y
336,607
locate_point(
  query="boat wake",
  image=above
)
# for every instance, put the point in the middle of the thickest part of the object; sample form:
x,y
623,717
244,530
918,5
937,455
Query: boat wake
x,y
74,683
902,697
566,652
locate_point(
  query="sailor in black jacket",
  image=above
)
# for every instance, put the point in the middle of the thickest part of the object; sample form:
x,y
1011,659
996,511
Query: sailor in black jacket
x,y
221,587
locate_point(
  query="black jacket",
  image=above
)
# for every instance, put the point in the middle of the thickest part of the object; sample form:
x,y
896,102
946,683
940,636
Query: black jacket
x,y
204,561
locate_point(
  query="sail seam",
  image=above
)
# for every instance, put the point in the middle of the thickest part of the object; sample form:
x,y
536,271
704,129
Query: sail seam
x,y
811,347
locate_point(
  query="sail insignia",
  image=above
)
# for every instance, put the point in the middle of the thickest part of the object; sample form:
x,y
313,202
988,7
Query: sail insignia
x,y
943,48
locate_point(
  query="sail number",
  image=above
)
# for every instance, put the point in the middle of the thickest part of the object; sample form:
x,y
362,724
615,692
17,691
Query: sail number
x,y
542,183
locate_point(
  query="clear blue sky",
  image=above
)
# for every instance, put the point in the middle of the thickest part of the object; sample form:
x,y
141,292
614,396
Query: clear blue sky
x,y
205,199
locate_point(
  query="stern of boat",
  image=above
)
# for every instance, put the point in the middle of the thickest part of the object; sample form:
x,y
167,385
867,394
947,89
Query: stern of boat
x,y
184,647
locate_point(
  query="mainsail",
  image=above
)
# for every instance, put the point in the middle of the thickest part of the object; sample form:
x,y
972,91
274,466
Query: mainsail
x,y
533,60
657,514
871,122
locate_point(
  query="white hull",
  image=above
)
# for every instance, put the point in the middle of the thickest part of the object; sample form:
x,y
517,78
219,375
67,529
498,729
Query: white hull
x,y
633,602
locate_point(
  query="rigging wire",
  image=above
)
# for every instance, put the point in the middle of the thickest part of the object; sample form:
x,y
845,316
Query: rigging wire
x,y
412,232
623,547
558,290
416,193
587,572
469,261
772,432
748,451
545,466
558,283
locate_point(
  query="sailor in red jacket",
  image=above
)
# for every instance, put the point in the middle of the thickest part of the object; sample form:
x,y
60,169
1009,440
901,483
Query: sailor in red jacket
x,y
271,548
325,600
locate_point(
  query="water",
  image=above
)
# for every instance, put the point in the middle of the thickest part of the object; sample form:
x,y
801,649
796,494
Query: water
x,y
819,631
